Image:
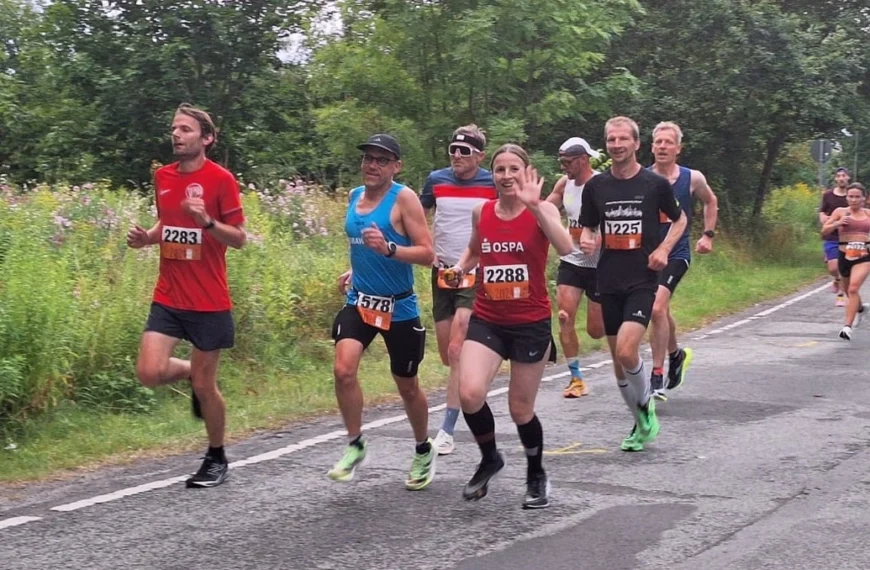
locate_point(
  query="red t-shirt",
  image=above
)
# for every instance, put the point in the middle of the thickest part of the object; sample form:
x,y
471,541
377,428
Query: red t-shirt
x,y
193,267
513,261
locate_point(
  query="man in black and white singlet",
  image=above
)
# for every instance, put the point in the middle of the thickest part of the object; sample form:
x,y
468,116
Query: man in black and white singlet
x,y
577,273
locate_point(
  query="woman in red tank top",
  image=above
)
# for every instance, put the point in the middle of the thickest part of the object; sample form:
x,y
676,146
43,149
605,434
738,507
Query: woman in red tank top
x,y
511,319
853,227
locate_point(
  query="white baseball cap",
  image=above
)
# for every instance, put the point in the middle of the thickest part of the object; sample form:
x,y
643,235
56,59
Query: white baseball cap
x,y
576,145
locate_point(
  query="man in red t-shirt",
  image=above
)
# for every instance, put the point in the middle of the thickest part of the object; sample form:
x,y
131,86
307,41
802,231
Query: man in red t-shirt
x,y
199,213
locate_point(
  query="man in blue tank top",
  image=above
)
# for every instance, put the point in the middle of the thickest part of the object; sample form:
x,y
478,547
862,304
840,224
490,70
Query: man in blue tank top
x,y
667,144
387,231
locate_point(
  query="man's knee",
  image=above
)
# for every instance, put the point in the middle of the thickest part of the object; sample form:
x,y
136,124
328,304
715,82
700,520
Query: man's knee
x,y
661,307
344,372
150,374
454,350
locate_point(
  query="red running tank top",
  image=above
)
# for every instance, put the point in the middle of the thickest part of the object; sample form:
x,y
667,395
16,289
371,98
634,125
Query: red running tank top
x,y
512,287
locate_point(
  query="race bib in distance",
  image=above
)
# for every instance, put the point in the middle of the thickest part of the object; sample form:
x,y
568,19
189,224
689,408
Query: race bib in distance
x,y
856,250
376,311
622,234
506,282
184,244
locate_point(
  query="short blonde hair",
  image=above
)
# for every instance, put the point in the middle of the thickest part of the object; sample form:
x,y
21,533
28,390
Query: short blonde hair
x,y
668,125
635,130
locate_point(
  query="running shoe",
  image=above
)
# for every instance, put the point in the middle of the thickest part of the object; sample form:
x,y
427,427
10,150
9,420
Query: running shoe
x,y
841,300
656,384
353,457
648,422
575,388
444,443
846,333
679,367
422,469
211,473
632,443
478,485
537,492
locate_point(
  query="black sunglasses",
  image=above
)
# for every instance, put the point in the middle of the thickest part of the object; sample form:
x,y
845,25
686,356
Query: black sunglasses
x,y
381,160
463,150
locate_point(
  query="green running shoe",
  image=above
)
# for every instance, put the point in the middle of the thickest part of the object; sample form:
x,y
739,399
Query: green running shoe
x,y
648,427
632,443
678,368
344,469
422,469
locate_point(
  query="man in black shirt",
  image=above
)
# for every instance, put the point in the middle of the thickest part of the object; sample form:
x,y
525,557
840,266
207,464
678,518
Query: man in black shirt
x,y
624,203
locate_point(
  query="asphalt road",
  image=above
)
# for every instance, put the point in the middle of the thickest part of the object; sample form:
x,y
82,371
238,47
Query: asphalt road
x,y
763,461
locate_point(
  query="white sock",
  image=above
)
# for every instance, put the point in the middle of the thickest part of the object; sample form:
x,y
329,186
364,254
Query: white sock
x,y
640,382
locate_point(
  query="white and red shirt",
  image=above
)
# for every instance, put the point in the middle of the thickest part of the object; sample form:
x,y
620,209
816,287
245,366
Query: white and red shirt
x,y
454,200
193,270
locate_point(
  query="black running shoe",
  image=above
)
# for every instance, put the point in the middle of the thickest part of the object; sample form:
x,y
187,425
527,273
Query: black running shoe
x,y
477,487
678,368
211,474
537,492
195,408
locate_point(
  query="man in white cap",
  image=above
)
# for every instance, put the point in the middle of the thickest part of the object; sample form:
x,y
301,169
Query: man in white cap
x,y
577,270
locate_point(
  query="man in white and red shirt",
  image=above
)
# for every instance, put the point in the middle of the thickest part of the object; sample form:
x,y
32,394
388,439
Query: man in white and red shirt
x,y
199,214
453,193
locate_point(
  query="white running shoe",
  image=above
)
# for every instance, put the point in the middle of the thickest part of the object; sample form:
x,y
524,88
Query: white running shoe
x,y
443,443
846,333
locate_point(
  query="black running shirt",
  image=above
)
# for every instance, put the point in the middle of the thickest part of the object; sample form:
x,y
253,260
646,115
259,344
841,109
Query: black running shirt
x,y
627,213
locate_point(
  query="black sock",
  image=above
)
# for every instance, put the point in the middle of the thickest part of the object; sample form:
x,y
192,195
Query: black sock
x,y
217,453
532,436
423,448
482,425
357,441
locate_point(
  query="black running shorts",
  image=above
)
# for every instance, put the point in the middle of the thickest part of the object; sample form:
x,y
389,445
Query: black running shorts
x,y
585,278
206,331
405,341
525,343
845,265
634,305
671,275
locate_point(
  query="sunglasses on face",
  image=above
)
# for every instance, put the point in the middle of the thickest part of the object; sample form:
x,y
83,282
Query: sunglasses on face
x,y
463,150
380,160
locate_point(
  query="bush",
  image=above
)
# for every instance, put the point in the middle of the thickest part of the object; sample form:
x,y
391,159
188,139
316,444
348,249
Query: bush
x,y
790,219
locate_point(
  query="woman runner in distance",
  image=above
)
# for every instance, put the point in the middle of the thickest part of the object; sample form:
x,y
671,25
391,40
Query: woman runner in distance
x,y
853,226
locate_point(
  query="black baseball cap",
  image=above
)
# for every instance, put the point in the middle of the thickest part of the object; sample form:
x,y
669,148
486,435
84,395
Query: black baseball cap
x,y
385,142
843,169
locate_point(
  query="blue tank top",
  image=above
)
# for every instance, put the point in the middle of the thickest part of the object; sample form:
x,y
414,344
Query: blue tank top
x,y
373,273
683,192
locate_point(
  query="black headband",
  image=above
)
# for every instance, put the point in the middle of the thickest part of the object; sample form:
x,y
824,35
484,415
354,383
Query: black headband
x,y
468,139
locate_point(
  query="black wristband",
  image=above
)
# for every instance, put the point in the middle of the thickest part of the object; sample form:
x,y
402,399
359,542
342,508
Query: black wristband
x,y
209,225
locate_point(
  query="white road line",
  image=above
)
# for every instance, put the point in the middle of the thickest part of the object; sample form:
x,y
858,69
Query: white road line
x,y
334,435
15,521
762,314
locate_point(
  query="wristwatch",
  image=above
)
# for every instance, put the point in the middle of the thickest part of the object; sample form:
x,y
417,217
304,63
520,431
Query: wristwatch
x,y
709,233
391,245
209,225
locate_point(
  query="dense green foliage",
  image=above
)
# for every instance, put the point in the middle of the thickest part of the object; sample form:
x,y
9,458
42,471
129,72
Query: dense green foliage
x,y
87,88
